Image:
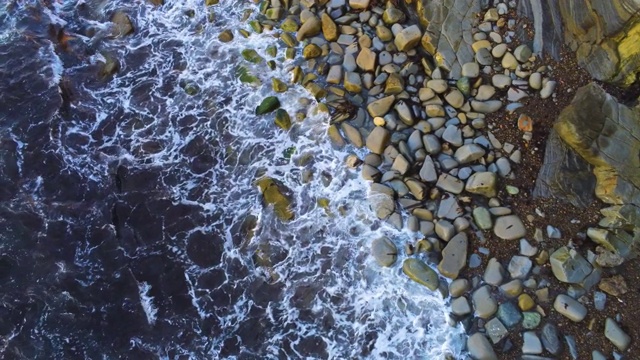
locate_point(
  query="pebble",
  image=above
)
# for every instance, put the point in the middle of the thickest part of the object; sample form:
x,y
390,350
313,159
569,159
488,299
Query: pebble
x,y
509,314
599,300
512,289
496,330
573,347
484,304
493,273
531,343
616,335
550,339
474,261
527,249
501,81
570,308
509,227
547,89
460,306
450,184
458,287
519,267
480,348
482,218
483,57
454,256
445,230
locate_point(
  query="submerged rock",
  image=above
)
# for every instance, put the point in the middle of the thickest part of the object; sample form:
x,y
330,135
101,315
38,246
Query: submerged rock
x,y
274,195
269,104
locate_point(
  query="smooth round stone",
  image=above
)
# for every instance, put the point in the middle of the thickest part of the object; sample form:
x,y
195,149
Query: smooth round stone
x,y
512,289
531,319
385,58
486,107
509,61
522,53
458,287
484,57
460,306
399,58
421,273
570,308
471,69
501,81
482,218
479,36
509,314
474,261
547,89
493,273
616,335
438,86
479,347
509,227
495,37
384,251
535,81
484,304
485,27
499,50
531,343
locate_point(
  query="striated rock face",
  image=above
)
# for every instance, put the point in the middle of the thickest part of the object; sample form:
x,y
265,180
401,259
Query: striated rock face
x,y
447,35
604,34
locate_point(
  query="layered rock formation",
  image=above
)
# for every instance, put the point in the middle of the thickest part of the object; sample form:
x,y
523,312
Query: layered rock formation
x,y
604,34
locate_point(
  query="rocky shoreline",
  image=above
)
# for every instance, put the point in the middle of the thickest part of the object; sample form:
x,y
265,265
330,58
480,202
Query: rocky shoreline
x,y
439,167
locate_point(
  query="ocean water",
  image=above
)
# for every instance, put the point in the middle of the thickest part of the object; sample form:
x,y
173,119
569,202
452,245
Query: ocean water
x,y
132,227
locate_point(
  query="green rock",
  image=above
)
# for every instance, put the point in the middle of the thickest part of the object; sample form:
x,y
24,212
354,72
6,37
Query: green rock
x,y
274,13
288,152
283,120
211,2
264,6
421,273
531,320
225,36
252,56
268,105
290,53
244,33
272,51
289,40
273,195
316,90
246,77
271,64
297,75
191,89
464,85
255,26
289,25
278,86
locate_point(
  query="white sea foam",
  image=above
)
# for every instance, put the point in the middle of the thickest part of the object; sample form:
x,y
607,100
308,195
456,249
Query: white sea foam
x,y
146,301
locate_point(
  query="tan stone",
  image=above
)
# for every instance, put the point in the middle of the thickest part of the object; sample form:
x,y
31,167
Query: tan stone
x,y
366,60
380,107
408,38
329,28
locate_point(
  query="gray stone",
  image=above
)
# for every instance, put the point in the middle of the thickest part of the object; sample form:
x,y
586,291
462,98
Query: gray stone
x,y
428,170
458,287
384,251
493,273
551,339
449,208
431,143
480,348
599,300
352,134
460,306
519,267
573,347
404,113
482,183
486,107
597,355
509,314
417,188
378,140
482,218
569,266
445,230
522,53
474,261
570,308
335,74
483,57
501,81
450,184
496,330
421,273
509,227
531,343
454,256
485,92
485,305
616,335
527,249
401,165
438,86
468,153
504,167
547,89
455,98
452,135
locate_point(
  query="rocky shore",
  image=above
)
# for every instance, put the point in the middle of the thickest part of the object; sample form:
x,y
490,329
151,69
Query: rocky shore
x,y
427,96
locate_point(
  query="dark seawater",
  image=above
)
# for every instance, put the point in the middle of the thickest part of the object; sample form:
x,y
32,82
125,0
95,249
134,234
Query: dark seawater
x,y
129,221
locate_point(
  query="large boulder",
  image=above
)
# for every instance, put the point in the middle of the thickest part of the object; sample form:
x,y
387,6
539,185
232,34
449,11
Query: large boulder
x,y
569,266
604,34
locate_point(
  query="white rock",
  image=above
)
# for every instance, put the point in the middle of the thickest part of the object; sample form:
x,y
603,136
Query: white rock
x,y
509,227
570,308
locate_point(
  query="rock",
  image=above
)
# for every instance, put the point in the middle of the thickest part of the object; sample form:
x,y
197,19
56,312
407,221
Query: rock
x,y
359,4
452,135
484,304
455,98
519,267
274,194
512,289
353,135
531,343
408,38
269,104
527,249
382,203
380,107
522,53
553,233
458,287
311,27
485,92
482,183
434,110
454,256
438,86
392,15
570,308
471,70
501,81
496,330
525,302
486,107
550,339
547,89
283,120
366,60
378,140
509,314
384,251
419,272
445,230
614,286
460,306
335,74
417,189
569,266
535,81
531,319
479,347
404,113
311,51
450,184
509,227
122,24
469,153
428,170
352,82
226,36
449,209
482,218
400,164
394,85
329,28
484,57
493,273
616,335
509,61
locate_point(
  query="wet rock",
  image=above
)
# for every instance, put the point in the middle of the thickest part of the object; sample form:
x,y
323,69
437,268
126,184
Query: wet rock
x,y
458,287
513,288
460,306
283,120
311,27
569,266
616,335
570,308
269,104
485,305
122,24
311,51
509,227
273,194
384,251
378,140
449,209
480,348
417,188
421,273
353,135
225,36
454,256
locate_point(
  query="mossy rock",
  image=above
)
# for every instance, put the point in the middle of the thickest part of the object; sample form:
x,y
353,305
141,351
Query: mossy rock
x,y
290,54
246,77
226,36
297,75
244,33
311,51
464,85
272,51
278,85
274,13
316,90
289,25
211,2
288,152
271,64
309,78
268,105
191,89
255,26
288,40
264,6
283,120
421,273
273,195
252,56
